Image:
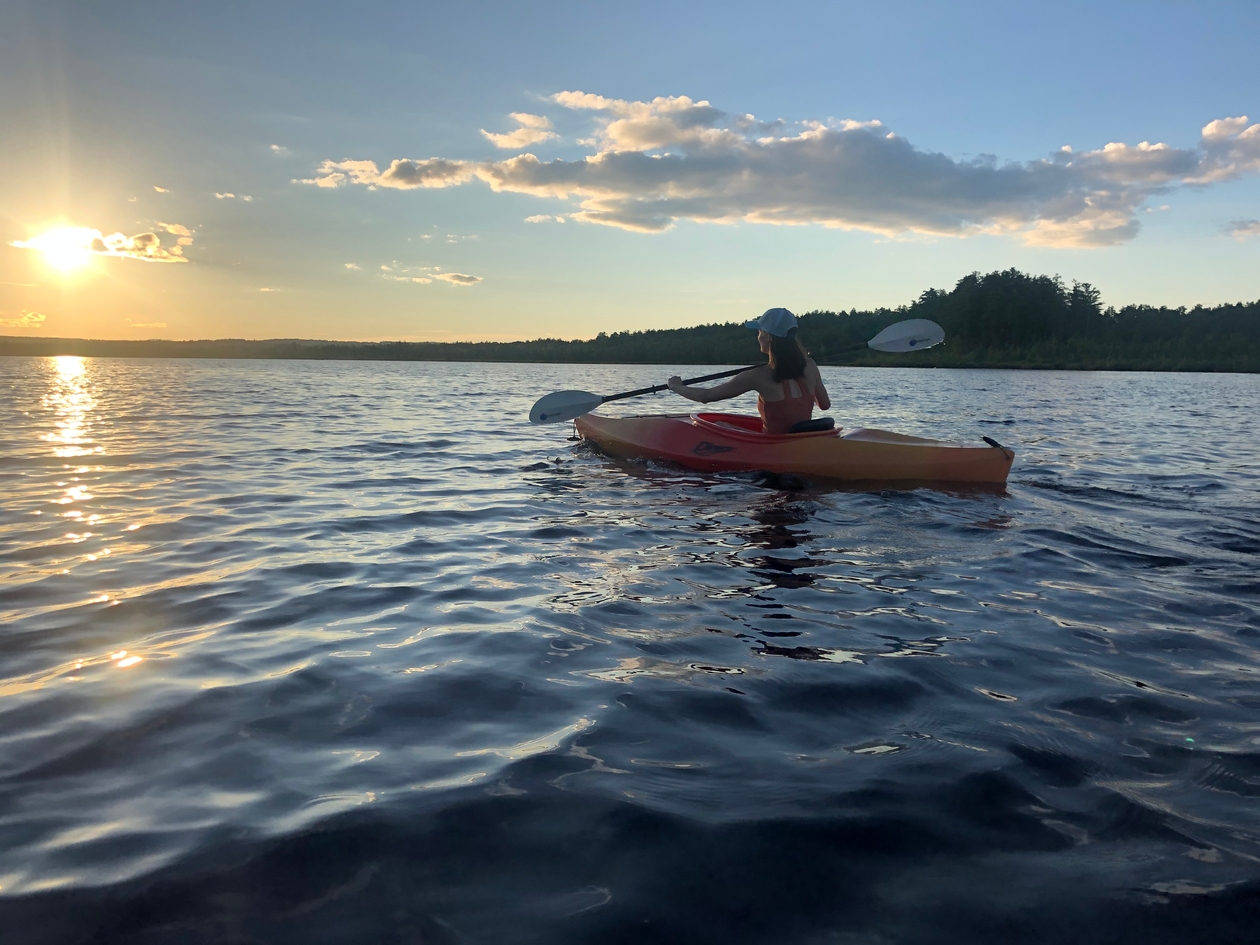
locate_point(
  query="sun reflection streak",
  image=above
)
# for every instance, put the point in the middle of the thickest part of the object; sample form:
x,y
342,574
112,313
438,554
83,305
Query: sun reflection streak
x,y
72,402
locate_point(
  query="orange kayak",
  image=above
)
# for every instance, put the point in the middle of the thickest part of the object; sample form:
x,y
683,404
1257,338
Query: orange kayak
x,y
724,441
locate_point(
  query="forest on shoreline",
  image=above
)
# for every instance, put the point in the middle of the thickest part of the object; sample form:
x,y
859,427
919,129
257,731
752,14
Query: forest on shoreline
x,y
1005,319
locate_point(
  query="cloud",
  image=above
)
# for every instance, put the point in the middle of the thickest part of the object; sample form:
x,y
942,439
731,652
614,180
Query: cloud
x,y
225,196
279,150
673,158
403,174
544,218
174,229
533,129
26,320
147,325
421,280
1243,229
457,278
351,265
268,288
81,239
160,190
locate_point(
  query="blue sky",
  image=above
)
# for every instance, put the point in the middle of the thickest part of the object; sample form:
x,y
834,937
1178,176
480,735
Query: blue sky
x,y
692,214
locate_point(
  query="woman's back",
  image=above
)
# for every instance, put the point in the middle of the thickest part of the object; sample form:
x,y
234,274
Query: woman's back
x,y
797,405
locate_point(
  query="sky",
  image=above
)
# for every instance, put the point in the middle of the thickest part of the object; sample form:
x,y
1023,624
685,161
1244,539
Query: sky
x,y
500,171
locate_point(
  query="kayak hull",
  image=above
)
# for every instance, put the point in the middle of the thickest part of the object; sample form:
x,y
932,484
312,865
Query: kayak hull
x,y
715,442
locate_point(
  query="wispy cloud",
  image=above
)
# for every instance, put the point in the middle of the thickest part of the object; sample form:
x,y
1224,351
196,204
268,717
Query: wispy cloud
x,y
403,174
183,235
397,273
26,320
1243,229
143,246
532,129
147,325
279,150
673,158
544,218
351,266
160,190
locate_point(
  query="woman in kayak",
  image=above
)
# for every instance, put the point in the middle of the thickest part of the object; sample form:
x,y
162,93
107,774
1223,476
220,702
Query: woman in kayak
x,y
787,386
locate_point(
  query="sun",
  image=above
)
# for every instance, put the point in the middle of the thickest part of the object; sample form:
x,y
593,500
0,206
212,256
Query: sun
x,y
66,249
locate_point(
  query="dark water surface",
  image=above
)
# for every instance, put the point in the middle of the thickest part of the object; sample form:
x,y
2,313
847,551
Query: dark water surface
x,y
348,652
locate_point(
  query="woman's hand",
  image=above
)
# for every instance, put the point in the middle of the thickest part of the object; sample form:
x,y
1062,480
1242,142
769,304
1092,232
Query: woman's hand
x,y
676,384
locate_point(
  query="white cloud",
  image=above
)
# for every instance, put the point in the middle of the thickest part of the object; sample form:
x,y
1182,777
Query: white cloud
x,y
267,288
544,218
160,190
457,278
1243,229
147,325
27,320
403,174
81,239
352,265
671,159
246,197
421,280
175,229
225,196
279,150
533,129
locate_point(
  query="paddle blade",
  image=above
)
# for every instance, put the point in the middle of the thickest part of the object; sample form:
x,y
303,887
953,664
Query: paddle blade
x,y
564,405
910,335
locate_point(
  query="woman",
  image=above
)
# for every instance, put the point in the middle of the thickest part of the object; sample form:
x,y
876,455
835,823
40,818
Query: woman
x,y
787,387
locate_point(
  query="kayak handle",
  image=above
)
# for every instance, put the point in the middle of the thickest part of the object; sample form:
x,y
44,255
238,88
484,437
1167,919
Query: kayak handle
x,y
995,443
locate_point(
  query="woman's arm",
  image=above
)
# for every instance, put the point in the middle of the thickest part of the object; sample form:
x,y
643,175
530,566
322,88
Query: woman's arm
x,y
739,384
820,391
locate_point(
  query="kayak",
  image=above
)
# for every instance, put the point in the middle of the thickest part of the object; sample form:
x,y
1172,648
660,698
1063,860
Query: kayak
x,y
724,441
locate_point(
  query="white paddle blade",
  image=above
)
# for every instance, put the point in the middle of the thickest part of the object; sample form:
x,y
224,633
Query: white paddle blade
x,y
564,405
911,335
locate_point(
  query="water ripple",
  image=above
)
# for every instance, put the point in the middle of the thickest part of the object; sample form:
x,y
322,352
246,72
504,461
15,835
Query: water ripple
x,y
296,647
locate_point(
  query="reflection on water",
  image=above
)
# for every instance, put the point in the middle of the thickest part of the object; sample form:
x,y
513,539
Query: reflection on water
x,y
282,649
70,400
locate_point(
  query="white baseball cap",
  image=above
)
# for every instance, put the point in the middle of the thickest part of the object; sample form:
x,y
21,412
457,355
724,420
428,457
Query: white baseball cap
x,y
776,321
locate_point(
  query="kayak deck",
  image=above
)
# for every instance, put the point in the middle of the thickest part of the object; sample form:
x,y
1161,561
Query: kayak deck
x,y
716,441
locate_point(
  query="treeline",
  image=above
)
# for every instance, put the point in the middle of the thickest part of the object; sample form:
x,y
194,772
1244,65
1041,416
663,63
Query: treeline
x,y
1003,319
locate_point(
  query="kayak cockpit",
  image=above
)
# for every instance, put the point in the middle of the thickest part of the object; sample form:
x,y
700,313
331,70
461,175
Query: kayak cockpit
x,y
749,429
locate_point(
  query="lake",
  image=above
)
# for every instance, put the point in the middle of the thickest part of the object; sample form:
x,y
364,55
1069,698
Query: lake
x,y
350,652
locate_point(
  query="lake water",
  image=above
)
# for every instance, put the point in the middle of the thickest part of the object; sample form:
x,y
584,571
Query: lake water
x,y
349,652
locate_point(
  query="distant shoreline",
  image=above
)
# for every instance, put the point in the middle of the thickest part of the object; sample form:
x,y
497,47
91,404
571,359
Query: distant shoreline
x,y
1007,320
308,350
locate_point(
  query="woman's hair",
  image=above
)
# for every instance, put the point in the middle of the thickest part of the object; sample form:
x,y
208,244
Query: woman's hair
x,y
787,357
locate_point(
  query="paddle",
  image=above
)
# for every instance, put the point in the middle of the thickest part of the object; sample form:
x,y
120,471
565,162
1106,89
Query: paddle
x,y
914,334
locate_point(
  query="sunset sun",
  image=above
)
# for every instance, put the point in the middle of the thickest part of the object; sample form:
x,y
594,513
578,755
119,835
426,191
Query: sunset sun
x,y
67,248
